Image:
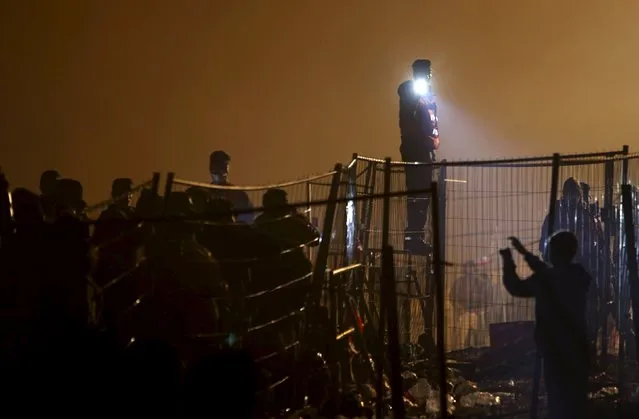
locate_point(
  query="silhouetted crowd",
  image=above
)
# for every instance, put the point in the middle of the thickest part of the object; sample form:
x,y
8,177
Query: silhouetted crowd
x,y
142,311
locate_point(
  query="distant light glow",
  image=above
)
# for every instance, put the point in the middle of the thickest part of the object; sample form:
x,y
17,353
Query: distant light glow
x,y
421,87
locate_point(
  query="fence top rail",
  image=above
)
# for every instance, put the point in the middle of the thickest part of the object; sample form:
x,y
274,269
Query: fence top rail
x,y
185,182
564,162
345,269
521,161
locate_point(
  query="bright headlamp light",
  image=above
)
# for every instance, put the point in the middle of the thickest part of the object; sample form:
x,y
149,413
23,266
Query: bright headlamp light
x,y
421,86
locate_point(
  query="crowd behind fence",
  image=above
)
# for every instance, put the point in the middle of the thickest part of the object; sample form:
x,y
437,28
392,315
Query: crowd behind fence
x,y
452,295
482,203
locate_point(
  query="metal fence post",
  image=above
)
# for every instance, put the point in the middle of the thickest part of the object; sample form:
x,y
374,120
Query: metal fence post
x,y
552,206
321,261
367,206
382,303
631,252
309,213
332,302
155,183
624,165
441,188
622,323
309,197
168,187
351,212
608,220
389,294
438,265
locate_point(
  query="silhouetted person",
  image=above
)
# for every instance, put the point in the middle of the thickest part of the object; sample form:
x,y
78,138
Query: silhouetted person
x,y
470,292
292,231
200,198
149,205
122,195
561,292
114,232
572,214
189,304
69,198
27,208
112,224
590,201
24,268
244,255
48,191
117,239
219,164
67,285
229,240
419,140
284,224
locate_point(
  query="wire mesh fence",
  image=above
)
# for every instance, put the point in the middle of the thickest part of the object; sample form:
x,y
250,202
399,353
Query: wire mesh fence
x,y
265,266
484,206
413,273
299,193
485,203
481,204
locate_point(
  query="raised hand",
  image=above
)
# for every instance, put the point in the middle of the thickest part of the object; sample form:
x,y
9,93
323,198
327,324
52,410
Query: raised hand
x,y
517,245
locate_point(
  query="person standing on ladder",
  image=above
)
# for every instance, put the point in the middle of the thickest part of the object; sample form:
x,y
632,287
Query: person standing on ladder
x,y
419,140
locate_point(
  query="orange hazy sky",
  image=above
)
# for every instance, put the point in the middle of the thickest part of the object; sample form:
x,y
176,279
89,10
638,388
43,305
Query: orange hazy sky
x,y
100,89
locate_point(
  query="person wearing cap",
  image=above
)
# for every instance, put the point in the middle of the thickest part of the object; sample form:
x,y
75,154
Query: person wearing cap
x,y
285,224
120,206
219,163
419,141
